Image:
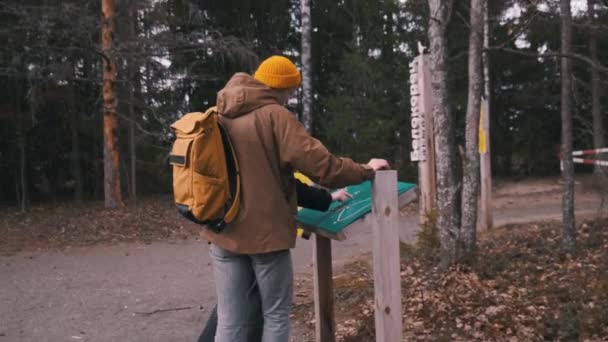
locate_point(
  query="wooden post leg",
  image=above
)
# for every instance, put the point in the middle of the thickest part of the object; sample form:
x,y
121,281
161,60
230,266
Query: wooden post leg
x,y
385,249
324,293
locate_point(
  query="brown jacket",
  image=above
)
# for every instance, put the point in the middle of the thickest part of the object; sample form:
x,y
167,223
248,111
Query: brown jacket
x,y
270,143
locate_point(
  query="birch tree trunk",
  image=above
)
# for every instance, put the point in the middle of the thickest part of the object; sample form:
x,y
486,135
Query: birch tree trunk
x,y
569,230
485,55
470,184
112,192
448,220
598,125
306,66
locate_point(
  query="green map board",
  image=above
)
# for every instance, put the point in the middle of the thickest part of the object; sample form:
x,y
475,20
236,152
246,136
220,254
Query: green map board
x,y
340,215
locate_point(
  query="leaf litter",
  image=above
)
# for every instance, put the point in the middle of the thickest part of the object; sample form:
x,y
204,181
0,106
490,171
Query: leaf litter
x,y
62,226
522,288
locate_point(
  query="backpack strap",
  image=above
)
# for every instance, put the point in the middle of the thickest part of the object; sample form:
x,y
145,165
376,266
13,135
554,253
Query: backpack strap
x,y
211,110
234,208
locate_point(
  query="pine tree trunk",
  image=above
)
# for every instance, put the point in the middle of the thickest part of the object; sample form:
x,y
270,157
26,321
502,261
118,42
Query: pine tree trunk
x,y
470,184
112,192
569,230
596,110
306,66
448,220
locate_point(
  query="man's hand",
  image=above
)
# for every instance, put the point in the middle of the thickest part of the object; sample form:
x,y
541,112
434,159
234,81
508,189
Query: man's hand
x,y
378,164
341,195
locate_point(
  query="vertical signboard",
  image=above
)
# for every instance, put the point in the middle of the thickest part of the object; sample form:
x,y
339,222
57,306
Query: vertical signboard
x,y
423,142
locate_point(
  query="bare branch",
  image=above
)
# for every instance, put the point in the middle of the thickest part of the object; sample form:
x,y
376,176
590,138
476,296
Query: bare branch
x,y
103,55
163,310
465,21
576,56
521,30
139,127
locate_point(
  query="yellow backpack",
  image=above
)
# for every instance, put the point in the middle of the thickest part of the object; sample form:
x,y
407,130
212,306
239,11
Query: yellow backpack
x,y
206,180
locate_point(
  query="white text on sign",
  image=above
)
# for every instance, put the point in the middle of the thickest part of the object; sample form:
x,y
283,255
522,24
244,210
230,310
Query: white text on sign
x,y
418,152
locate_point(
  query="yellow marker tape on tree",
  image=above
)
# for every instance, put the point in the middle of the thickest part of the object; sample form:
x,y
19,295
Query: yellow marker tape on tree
x,y
483,147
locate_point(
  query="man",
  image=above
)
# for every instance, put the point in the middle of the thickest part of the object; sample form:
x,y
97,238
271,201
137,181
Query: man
x,y
308,197
251,258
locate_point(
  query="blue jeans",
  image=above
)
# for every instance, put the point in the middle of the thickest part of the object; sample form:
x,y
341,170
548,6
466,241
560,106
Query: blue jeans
x,y
254,295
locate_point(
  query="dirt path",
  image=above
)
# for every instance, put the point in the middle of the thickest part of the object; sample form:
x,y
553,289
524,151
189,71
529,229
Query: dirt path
x,y
110,293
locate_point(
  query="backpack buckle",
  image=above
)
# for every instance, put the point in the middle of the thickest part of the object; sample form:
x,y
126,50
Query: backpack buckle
x,y
218,225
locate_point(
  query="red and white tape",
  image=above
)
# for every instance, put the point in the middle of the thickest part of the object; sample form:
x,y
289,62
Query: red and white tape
x,y
587,161
586,152
590,161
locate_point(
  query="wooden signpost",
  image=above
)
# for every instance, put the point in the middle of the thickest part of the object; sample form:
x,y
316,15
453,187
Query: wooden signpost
x,y
387,197
423,142
323,289
385,250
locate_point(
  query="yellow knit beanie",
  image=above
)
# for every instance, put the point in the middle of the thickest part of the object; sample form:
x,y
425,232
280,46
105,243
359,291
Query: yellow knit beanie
x,y
278,72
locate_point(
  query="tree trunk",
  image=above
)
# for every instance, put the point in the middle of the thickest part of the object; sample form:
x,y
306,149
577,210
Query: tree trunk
x,y
470,184
306,66
97,158
448,220
598,125
21,179
22,170
17,191
132,146
75,155
111,168
486,214
486,54
569,230
131,84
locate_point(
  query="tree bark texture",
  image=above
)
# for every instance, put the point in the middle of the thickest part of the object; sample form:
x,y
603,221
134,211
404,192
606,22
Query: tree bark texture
x,y
21,179
112,193
22,171
75,155
486,210
470,179
306,66
132,145
133,81
596,110
448,220
569,230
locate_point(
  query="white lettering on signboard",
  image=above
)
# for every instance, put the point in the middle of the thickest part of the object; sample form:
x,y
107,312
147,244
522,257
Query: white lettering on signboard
x,y
418,152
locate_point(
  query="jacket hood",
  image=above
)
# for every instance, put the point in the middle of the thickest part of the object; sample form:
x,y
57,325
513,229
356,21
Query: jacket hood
x,y
242,95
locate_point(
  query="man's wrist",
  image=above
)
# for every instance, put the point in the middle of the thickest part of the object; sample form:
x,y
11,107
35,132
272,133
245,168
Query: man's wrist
x,y
368,172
